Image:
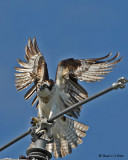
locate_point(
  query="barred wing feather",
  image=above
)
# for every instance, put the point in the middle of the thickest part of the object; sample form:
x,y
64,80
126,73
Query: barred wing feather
x,y
69,71
34,70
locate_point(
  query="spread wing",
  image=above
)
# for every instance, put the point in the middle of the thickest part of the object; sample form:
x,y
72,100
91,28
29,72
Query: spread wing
x,y
33,70
90,70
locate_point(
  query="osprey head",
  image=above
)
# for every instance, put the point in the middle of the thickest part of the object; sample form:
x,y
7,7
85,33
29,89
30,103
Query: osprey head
x,y
44,87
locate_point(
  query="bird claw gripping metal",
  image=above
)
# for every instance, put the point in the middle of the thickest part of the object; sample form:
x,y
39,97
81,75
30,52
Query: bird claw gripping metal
x,y
42,129
120,83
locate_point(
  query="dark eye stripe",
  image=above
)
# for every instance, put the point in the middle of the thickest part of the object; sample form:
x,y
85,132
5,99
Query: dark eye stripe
x,y
50,88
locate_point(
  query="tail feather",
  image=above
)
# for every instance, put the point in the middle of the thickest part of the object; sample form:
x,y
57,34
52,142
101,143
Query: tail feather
x,y
64,145
80,133
64,148
49,147
80,126
57,148
76,125
55,153
72,139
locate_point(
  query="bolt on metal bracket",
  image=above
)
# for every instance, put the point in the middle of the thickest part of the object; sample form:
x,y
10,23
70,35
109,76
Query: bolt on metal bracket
x,y
120,83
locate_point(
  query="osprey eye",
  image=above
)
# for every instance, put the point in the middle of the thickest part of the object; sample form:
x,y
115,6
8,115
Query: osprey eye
x,y
38,85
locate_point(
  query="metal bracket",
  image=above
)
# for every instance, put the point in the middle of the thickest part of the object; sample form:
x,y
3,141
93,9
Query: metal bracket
x,y
120,83
43,128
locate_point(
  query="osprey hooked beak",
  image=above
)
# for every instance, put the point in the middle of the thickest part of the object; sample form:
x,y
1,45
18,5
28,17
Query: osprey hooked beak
x,y
42,87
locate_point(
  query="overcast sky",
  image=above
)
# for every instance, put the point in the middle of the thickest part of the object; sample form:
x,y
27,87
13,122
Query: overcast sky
x,y
66,29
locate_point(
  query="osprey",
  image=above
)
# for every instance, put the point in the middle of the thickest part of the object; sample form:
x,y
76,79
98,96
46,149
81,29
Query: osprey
x,y
54,96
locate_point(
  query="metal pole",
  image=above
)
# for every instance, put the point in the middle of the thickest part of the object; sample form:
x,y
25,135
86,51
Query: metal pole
x,y
16,139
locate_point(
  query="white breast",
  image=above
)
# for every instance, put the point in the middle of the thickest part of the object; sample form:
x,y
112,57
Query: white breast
x,y
44,108
46,101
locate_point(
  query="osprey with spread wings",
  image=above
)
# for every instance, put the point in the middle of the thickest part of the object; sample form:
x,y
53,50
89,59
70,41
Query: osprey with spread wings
x,y
54,96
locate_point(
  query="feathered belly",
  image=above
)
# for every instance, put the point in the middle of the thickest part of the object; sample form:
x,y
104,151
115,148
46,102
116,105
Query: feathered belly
x,y
44,109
